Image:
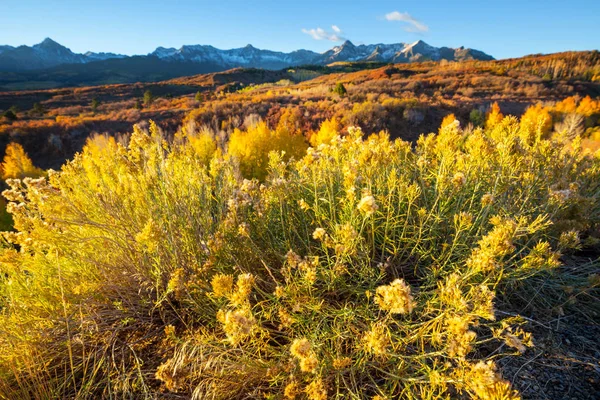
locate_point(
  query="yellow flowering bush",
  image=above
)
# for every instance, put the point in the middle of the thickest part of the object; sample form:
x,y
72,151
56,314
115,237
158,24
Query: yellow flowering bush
x,y
367,268
251,147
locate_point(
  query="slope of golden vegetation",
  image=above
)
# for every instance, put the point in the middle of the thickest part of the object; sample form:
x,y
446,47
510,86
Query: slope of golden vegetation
x,y
365,268
404,99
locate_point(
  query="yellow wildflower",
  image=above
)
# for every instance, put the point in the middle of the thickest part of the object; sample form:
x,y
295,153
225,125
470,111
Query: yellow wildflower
x,y
514,342
243,288
367,205
237,324
303,205
395,297
483,380
487,199
300,348
243,229
316,390
319,234
482,299
177,282
286,319
341,363
459,179
291,391
376,340
460,338
463,220
293,259
279,292
222,285
569,240
170,331
309,364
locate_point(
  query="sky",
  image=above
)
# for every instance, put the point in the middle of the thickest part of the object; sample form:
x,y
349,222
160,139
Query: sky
x,y
503,28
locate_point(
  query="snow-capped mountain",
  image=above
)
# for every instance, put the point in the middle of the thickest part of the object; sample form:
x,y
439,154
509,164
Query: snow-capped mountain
x,y
43,55
91,56
250,56
49,54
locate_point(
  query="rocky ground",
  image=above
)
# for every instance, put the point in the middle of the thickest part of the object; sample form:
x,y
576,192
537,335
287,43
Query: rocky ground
x,y
565,362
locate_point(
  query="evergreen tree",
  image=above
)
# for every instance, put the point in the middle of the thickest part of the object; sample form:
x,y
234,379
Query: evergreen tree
x,y
38,109
95,104
148,98
10,115
477,117
340,89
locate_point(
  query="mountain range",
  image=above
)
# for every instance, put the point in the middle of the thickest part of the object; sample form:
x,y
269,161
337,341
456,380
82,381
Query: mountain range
x,y
49,53
250,56
43,55
50,64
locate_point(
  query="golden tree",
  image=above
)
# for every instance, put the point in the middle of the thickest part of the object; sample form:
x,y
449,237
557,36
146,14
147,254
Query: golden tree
x,y
494,116
17,164
329,129
449,120
252,147
536,120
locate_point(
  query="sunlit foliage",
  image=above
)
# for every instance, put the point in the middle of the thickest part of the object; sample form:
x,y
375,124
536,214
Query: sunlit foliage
x,y
366,268
329,129
251,147
494,116
17,164
536,121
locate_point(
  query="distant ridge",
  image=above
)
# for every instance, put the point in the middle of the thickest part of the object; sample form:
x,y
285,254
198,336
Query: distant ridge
x,y
43,55
49,54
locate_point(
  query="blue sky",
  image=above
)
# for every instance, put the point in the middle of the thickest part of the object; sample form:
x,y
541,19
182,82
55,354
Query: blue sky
x,y
502,28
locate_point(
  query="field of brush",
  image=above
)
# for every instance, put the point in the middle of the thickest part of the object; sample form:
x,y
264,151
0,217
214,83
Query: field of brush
x,y
297,234
357,268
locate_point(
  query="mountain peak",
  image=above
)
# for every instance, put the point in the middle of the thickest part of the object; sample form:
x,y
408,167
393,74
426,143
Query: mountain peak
x,y
50,46
419,45
348,43
48,43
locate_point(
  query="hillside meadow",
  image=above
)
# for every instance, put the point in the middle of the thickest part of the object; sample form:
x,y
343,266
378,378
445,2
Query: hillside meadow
x,y
302,236
403,99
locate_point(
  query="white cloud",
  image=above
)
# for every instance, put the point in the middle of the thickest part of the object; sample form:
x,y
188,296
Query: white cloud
x,y
413,25
322,34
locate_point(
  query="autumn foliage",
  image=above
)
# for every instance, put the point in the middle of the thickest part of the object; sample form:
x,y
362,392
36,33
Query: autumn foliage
x,y
264,245
17,164
257,268
251,147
